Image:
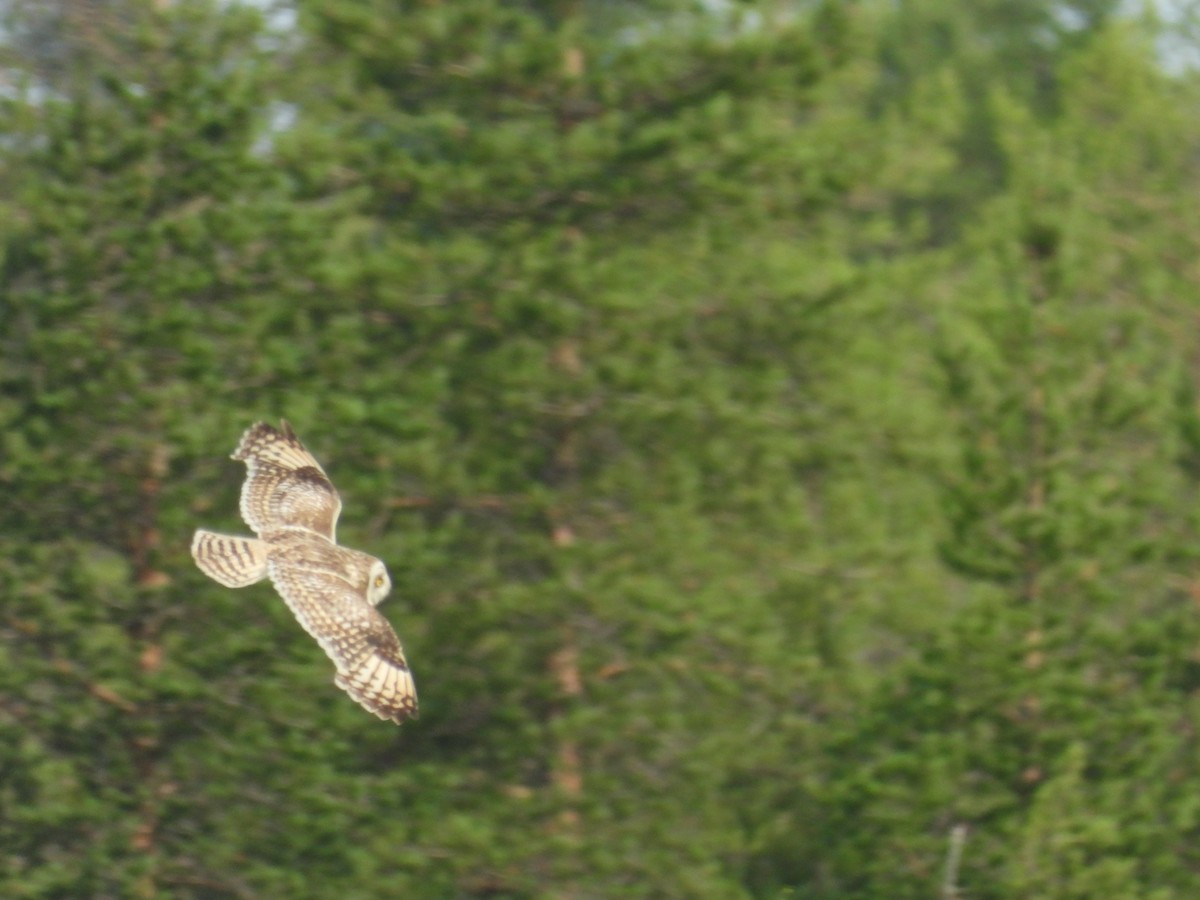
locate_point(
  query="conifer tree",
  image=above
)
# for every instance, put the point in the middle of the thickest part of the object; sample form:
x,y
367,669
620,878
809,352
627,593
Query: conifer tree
x,y
786,483
1051,714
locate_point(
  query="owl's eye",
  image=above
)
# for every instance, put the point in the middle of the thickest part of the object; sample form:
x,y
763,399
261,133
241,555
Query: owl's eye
x,y
378,581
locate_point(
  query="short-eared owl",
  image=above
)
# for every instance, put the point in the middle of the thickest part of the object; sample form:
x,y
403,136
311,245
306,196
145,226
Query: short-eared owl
x,y
289,502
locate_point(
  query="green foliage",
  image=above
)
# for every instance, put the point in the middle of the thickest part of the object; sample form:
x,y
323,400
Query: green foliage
x,y
779,420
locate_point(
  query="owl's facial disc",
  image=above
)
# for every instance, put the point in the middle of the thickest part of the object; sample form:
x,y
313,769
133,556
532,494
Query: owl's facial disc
x,y
379,583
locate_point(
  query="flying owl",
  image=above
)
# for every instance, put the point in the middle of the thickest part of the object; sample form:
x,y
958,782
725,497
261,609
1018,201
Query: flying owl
x,y
289,502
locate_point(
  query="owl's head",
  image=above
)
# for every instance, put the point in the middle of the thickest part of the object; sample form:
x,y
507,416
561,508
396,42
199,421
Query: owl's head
x,y
379,583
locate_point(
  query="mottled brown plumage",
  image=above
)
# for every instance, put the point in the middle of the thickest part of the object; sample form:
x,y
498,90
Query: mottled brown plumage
x,y
291,505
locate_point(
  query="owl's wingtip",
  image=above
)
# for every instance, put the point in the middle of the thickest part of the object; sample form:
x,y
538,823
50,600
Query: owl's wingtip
x,y
239,452
258,431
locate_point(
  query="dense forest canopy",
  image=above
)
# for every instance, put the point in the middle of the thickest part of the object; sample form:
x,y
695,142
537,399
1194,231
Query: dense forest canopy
x,y
780,421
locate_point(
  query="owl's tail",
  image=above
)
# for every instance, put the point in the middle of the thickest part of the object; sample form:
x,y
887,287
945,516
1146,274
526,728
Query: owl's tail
x,y
231,560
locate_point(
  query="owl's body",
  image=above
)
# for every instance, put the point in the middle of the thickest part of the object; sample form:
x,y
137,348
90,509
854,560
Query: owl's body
x,y
314,552
292,507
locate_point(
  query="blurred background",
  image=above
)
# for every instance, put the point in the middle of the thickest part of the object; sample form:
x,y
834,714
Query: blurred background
x,y
780,420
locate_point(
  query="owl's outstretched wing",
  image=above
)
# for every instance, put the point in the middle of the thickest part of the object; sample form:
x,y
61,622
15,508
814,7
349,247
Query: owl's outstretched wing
x,y
368,657
285,485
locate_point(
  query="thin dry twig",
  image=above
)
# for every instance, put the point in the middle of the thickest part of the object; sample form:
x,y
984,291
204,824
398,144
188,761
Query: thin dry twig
x,y
958,837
